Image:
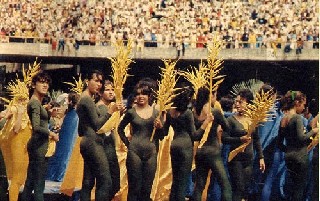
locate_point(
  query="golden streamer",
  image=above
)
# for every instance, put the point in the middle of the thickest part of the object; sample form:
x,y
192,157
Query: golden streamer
x,y
214,66
165,94
257,112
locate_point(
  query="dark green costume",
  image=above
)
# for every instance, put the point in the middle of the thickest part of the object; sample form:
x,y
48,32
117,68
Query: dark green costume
x,y
37,149
209,157
142,154
240,167
96,165
110,151
181,151
3,174
296,155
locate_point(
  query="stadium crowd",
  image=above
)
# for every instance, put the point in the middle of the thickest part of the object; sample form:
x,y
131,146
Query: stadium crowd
x,y
162,23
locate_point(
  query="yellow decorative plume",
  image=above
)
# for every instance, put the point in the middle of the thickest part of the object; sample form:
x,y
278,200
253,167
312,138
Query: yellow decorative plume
x,y
78,86
198,77
257,112
314,140
214,66
120,66
20,89
165,94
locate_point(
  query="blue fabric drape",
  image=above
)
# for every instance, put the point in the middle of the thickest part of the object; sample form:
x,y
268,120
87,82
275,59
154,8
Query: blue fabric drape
x,y
67,136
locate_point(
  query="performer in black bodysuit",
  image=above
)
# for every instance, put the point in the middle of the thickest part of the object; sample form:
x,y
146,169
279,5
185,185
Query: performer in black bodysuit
x,y
240,168
181,150
38,144
96,166
105,104
293,132
209,155
142,154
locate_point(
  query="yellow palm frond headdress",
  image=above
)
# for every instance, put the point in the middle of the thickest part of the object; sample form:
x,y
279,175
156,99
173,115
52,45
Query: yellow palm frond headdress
x,y
77,86
20,89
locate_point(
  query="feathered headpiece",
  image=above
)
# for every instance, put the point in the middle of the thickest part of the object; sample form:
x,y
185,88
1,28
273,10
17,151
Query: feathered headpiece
x,y
77,86
253,85
20,89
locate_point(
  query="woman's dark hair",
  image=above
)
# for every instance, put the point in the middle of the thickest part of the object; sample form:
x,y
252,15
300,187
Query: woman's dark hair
x,y
266,87
227,103
106,82
247,94
73,99
201,99
152,85
289,99
313,107
145,87
39,77
89,76
183,97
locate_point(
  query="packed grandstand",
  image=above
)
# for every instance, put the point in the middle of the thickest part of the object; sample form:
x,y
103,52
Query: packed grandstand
x,y
162,23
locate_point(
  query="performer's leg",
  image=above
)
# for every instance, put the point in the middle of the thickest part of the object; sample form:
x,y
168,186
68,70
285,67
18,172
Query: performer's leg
x,y
40,173
219,172
181,160
298,168
149,168
202,170
113,165
134,170
102,175
237,180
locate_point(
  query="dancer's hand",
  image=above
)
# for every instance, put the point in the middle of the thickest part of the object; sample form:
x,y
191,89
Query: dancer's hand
x,y
245,139
262,165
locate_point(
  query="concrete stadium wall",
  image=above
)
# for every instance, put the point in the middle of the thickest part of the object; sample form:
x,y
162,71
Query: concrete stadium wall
x,y
45,50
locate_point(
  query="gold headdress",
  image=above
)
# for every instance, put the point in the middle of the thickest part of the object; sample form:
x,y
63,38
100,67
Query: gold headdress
x,y
77,86
257,112
20,89
165,94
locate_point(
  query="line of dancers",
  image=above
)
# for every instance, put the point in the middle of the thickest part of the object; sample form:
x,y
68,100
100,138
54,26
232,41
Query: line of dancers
x,y
25,129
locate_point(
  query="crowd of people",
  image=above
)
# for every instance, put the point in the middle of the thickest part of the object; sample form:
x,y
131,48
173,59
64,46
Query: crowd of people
x,y
286,138
162,23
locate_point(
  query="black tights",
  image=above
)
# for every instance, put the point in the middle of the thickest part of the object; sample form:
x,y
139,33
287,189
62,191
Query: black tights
x,y
141,172
297,168
181,160
240,175
37,169
205,161
96,169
